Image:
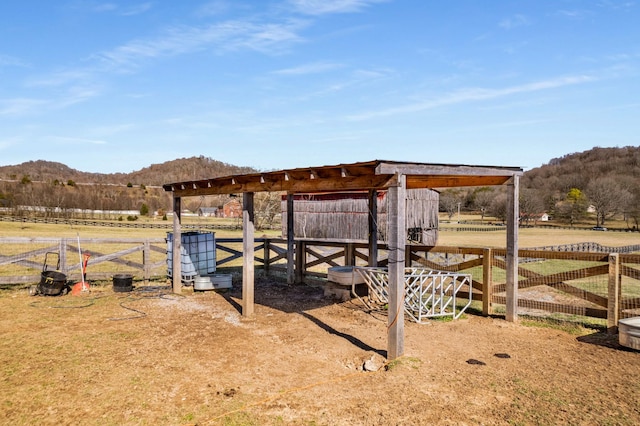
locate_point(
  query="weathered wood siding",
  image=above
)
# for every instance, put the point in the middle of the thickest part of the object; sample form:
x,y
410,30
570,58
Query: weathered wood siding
x,y
345,216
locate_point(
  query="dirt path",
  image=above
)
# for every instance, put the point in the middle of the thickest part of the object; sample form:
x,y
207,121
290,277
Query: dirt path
x,y
150,359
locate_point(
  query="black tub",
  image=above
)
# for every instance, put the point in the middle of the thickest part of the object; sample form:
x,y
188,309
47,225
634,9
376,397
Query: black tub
x,y
52,283
122,283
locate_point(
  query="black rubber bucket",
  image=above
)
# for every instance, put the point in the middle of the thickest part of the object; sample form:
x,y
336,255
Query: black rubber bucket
x,y
52,283
122,283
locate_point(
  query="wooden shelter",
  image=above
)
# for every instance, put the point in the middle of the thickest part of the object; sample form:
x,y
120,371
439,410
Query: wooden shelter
x,y
391,176
345,216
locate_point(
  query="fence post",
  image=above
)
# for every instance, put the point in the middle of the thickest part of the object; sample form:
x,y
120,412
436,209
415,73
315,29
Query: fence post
x,y
63,255
349,255
614,293
146,260
487,281
301,257
267,254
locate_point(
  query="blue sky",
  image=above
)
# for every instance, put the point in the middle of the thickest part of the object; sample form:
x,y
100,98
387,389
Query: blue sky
x,y
115,86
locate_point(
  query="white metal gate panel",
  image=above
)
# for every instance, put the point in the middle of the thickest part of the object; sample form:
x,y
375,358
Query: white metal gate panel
x,y
428,293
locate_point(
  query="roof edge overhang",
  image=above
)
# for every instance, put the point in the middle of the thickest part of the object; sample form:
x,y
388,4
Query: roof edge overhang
x,y
377,174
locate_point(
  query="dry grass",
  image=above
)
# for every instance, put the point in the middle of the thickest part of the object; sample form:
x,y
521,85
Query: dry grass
x,y
528,237
192,359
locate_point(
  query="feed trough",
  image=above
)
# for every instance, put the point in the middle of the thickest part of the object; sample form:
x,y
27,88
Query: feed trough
x,y
629,332
344,275
212,282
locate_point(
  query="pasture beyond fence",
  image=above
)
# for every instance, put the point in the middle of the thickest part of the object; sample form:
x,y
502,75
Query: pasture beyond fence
x,y
596,287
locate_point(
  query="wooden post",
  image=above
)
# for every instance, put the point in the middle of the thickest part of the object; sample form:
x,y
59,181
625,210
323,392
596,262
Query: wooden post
x,y
614,293
177,246
267,255
300,258
349,254
487,281
62,256
248,243
290,241
146,260
513,213
373,227
396,206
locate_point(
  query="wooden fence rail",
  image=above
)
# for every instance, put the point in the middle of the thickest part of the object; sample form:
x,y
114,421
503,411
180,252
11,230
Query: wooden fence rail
x,y
23,259
603,286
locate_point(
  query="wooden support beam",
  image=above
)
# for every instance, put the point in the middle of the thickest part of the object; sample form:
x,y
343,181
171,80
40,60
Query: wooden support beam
x,y
248,241
513,213
300,261
373,227
177,246
290,241
396,206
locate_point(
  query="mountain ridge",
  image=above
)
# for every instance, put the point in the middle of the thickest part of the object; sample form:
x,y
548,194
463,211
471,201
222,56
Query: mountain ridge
x,y
180,169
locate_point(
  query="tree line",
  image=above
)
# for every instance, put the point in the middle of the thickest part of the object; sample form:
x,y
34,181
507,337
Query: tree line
x,y
601,183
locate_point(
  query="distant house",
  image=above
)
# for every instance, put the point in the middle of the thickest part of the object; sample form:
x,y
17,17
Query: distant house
x,y
208,211
535,217
232,208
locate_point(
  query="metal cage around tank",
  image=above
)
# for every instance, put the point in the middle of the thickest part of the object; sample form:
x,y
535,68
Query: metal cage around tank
x,y
197,255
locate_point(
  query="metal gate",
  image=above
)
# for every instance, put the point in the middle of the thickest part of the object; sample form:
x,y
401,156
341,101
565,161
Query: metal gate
x,y
428,293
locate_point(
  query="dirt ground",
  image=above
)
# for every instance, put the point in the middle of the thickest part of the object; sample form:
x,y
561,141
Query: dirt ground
x,y
152,358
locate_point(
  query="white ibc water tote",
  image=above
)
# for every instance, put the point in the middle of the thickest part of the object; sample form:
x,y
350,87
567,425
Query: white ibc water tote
x,y
197,255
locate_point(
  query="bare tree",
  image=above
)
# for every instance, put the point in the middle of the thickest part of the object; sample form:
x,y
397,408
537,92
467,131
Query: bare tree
x,y
574,206
450,202
607,198
531,204
482,200
633,208
498,208
267,208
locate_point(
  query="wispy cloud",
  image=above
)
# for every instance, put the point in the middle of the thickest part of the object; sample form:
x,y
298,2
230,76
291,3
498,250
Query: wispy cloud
x,y
76,95
314,68
19,106
137,9
130,10
230,35
105,7
576,14
9,142
76,141
323,7
474,95
113,129
11,61
617,5
60,78
213,8
514,21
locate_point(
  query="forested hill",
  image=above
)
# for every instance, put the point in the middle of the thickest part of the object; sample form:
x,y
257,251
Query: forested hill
x,y
560,174
578,170
575,170
182,169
